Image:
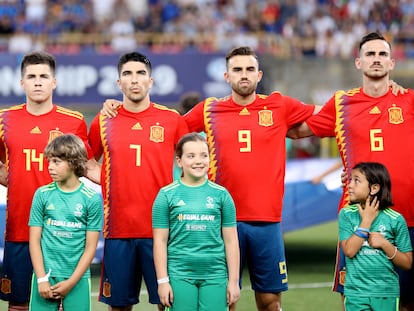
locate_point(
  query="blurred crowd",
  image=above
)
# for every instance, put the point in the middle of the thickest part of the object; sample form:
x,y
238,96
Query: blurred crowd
x,y
286,28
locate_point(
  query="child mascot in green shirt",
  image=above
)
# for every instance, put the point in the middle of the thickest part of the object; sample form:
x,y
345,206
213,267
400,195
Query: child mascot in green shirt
x,y
196,251
374,239
65,221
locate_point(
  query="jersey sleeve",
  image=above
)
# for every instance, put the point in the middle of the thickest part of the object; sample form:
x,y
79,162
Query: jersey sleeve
x,y
182,128
36,211
195,118
95,213
402,236
344,226
323,123
94,138
297,111
82,133
229,211
160,211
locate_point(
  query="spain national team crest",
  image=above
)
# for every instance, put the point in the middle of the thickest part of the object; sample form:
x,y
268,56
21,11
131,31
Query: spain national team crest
x,y
265,117
106,289
157,133
395,115
53,134
342,277
5,286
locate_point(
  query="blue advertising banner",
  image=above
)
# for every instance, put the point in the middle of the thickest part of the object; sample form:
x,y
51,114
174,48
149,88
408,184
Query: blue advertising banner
x,y
90,79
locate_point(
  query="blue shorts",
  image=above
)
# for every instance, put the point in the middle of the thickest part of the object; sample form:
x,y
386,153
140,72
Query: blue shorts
x,y
16,274
262,249
407,278
125,263
339,277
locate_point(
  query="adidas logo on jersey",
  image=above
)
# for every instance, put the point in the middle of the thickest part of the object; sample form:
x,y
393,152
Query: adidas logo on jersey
x,y
375,110
137,126
36,130
244,112
181,203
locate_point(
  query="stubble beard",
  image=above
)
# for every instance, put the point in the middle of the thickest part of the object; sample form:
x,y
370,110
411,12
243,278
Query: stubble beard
x,y
376,75
244,91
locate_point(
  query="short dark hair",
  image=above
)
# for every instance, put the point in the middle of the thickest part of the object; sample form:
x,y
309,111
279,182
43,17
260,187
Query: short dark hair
x,y
188,101
243,51
185,139
372,36
377,173
134,57
69,147
35,58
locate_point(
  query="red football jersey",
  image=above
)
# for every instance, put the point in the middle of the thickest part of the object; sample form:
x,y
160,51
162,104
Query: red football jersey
x,y
375,130
248,149
23,138
138,158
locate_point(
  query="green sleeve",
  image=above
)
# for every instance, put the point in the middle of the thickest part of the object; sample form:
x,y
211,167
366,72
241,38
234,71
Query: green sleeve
x,y
161,211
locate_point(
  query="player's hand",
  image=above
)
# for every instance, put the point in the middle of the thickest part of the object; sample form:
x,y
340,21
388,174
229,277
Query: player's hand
x,y
369,211
3,174
376,240
110,107
45,290
233,293
316,180
166,294
396,88
61,289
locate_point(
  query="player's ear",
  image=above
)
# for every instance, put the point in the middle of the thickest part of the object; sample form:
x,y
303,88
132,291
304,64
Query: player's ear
x,y
178,160
358,63
226,77
374,189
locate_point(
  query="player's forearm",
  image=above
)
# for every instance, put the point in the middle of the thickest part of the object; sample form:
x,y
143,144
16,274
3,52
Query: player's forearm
x,y
160,253
3,175
35,251
352,246
231,245
401,260
299,131
93,172
85,260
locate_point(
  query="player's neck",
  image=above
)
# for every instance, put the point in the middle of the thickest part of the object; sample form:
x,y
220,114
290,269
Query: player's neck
x,y
136,106
243,100
193,181
70,184
39,108
376,88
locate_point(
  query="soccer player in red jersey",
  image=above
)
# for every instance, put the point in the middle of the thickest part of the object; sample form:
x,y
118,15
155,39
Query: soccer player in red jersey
x,y
138,155
370,123
246,133
26,129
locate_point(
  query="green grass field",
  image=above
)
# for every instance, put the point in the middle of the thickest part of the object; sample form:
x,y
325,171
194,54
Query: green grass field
x,y
310,256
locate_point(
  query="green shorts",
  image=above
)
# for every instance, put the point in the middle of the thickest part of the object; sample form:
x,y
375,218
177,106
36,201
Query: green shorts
x,y
199,295
79,298
353,303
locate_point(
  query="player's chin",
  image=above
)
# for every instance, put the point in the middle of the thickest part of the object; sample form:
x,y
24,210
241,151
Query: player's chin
x,y
54,178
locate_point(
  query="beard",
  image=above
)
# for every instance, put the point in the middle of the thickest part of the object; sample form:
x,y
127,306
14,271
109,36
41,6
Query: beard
x,y
376,75
244,91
